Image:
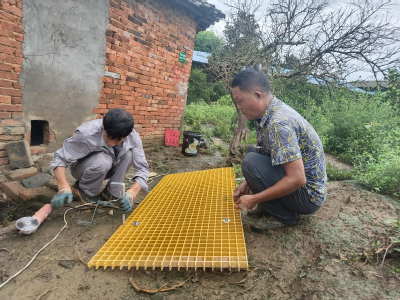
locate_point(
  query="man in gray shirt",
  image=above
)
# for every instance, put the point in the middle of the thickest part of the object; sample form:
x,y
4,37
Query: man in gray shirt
x,y
101,149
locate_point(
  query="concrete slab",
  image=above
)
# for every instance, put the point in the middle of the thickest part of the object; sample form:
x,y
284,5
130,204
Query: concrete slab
x,y
36,181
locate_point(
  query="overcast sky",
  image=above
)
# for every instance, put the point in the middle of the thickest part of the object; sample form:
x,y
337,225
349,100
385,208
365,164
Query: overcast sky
x,y
334,5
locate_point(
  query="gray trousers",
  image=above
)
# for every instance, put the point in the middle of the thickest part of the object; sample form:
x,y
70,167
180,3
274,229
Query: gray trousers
x,y
260,175
94,168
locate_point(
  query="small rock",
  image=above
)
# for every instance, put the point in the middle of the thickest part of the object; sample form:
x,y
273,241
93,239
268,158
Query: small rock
x,y
3,178
69,264
45,169
216,293
196,279
330,270
52,183
148,272
111,212
89,251
58,276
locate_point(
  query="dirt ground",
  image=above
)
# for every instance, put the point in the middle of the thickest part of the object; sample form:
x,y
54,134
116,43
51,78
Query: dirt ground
x,y
321,258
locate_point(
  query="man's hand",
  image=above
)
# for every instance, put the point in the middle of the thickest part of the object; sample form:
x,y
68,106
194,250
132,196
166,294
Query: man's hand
x,y
241,190
245,202
126,203
63,197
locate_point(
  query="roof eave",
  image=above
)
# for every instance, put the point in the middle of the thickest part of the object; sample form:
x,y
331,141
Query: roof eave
x,y
205,13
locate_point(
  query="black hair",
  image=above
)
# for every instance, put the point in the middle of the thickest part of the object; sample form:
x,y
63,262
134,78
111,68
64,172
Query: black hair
x,y
118,123
249,78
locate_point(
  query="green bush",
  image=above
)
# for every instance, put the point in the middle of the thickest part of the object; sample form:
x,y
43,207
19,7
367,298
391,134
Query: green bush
x,y
381,170
216,120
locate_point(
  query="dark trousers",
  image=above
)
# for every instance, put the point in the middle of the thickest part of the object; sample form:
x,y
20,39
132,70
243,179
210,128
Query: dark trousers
x,y
260,175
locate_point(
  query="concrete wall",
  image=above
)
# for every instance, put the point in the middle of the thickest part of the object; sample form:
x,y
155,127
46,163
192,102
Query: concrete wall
x,y
64,49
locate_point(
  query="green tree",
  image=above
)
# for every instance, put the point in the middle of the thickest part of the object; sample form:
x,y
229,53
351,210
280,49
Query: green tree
x,y
202,88
241,49
393,92
302,34
207,41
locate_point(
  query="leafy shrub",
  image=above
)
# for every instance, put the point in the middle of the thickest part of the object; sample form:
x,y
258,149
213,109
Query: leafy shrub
x,y
381,171
221,118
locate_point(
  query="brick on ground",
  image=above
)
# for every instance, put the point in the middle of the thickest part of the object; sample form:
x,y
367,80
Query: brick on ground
x,y
22,173
19,154
17,192
13,189
42,194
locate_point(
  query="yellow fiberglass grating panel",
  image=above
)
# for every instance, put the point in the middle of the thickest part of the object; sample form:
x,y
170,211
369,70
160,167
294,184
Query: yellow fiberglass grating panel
x,y
187,221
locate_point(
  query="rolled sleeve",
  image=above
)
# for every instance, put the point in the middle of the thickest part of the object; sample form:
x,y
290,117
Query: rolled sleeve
x,y
140,165
284,143
74,148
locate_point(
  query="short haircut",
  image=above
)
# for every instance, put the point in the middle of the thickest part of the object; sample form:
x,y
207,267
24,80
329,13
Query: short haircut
x,y
118,123
250,78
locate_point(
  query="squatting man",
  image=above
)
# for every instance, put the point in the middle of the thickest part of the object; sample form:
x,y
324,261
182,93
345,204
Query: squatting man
x,y
99,150
285,170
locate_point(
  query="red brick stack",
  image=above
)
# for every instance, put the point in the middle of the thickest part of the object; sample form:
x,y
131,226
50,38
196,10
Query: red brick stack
x,y
144,40
11,37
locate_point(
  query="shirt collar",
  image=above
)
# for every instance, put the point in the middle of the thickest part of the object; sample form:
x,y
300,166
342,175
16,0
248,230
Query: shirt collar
x,y
268,113
104,145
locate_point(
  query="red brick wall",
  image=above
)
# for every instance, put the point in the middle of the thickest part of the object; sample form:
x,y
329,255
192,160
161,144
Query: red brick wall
x,y
144,39
11,37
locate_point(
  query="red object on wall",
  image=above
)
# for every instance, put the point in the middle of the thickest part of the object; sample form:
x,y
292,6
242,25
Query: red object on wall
x,y
171,137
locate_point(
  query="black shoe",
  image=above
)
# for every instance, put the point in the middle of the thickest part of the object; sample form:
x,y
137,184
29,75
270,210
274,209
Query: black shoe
x,y
257,212
270,224
105,195
82,196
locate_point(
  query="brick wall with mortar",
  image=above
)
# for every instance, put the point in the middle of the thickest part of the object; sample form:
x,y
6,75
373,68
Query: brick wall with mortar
x,y
12,127
144,40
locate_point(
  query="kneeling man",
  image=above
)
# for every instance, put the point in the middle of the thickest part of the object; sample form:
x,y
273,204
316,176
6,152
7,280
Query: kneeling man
x,y
286,169
101,149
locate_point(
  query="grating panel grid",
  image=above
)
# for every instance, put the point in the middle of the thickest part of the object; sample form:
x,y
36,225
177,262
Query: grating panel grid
x,y
187,221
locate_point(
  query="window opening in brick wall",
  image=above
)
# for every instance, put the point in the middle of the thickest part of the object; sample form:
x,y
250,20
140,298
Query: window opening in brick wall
x,y
40,132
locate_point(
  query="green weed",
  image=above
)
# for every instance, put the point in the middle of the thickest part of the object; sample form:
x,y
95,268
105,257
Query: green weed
x,y
334,173
8,218
160,164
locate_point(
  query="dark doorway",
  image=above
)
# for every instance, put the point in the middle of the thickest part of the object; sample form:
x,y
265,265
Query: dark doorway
x,y
39,132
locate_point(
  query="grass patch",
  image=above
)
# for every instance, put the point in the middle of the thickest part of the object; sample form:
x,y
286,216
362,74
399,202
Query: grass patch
x,y
336,174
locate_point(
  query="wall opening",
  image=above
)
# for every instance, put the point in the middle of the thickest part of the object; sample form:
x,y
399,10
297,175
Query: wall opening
x,y
40,132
